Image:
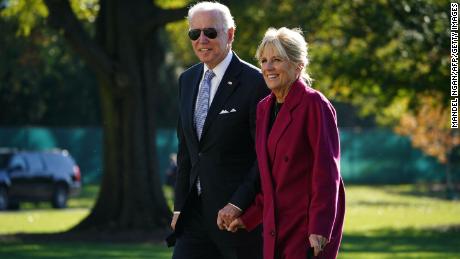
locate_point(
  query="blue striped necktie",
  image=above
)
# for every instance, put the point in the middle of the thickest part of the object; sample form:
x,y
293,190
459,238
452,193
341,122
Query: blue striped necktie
x,y
202,102
201,111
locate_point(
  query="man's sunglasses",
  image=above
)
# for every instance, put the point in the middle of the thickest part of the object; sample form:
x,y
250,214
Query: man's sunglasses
x,y
194,34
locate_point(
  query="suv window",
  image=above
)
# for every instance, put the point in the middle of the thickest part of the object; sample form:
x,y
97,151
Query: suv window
x,y
35,162
58,162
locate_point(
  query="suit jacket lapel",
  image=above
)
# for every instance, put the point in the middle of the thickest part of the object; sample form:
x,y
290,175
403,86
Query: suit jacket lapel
x,y
226,87
284,117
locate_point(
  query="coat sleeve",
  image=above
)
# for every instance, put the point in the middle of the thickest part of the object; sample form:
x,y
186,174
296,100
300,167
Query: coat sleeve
x,y
183,163
253,216
323,136
248,189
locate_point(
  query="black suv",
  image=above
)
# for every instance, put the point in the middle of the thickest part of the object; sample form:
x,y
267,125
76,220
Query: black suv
x,y
37,176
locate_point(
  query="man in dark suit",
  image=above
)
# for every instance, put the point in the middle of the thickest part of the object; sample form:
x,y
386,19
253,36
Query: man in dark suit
x,y
217,175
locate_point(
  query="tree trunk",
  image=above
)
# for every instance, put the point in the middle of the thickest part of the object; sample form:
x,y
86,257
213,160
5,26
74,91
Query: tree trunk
x,y
126,55
131,195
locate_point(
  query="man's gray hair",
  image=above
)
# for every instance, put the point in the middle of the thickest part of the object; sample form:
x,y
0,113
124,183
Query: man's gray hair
x,y
223,10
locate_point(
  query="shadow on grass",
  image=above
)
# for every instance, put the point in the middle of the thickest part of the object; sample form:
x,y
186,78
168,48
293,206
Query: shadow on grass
x,y
413,243
87,245
77,250
429,190
443,240
380,203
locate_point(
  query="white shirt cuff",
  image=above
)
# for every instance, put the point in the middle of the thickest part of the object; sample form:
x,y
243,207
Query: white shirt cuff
x,y
235,206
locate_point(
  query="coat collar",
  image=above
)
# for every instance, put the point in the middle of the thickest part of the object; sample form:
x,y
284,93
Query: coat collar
x,y
284,117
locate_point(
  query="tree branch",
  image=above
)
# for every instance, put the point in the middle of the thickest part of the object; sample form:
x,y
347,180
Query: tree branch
x,y
171,15
61,17
159,17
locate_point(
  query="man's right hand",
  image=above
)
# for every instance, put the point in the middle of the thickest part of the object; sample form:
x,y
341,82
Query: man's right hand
x,y
174,220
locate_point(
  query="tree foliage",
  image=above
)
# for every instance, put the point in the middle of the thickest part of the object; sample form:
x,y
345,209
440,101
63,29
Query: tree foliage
x,y
122,43
48,82
429,127
429,130
374,54
43,82
378,56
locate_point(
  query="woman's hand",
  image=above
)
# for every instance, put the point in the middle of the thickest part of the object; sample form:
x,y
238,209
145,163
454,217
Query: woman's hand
x,y
318,243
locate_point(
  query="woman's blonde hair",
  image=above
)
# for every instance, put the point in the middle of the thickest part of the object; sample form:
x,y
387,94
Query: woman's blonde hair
x,y
290,44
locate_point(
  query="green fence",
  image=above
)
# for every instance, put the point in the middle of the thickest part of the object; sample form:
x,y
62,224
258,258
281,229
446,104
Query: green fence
x,y
368,155
84,144
380,156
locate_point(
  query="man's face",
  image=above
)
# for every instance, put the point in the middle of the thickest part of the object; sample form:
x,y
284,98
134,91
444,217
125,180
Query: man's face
x,y
211,51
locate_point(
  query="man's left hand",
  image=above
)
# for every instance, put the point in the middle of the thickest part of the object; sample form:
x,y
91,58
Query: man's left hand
x,y
226,215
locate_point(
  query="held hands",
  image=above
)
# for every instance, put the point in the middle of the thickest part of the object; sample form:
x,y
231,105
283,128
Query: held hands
x,y
235,225
226,216
318,242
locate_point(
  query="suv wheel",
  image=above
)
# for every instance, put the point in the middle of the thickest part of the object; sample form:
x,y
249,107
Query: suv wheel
x,y
60,195
3,198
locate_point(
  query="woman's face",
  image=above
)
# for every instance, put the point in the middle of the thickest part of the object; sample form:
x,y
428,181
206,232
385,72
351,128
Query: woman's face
x,y
278,72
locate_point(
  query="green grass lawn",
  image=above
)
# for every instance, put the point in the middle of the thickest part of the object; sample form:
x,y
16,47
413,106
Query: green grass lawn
x,y
15,250
398,222
41,218
381,222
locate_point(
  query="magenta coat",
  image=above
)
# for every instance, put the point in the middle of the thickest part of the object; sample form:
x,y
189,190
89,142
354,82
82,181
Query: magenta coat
x,y
299,163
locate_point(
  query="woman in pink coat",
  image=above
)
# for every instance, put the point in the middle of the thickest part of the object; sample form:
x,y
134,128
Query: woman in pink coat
x,y
302,202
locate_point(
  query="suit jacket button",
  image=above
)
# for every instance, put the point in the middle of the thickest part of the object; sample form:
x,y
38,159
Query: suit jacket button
x,y
199,154
272,233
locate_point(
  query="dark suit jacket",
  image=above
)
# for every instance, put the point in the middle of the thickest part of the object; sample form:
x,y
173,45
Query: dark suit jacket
x,y
225,157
